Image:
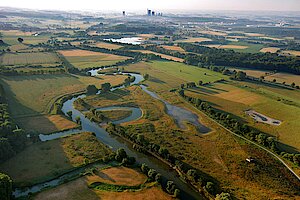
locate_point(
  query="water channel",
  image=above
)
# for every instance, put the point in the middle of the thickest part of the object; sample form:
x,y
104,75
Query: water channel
x,y
115,142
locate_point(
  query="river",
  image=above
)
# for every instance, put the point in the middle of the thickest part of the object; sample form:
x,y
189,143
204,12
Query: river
x,y
187,192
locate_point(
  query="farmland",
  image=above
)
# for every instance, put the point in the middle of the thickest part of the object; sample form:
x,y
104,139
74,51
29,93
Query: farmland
x,y
45,89
87,59
45,160
29,58
192,40
174,48
270,50
108,45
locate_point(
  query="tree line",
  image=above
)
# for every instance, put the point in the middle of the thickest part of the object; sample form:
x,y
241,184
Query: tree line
x,y
228,121
266,61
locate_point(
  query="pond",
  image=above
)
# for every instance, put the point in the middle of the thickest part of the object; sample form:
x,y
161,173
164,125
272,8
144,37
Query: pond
x,y
127,40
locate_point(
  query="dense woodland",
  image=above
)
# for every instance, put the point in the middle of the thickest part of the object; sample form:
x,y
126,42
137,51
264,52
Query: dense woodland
x,y
265,61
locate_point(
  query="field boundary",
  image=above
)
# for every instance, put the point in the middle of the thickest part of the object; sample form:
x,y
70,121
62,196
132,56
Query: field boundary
x,y
251,142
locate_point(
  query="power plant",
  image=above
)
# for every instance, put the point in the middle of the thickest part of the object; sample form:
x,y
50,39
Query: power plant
x,y
152,13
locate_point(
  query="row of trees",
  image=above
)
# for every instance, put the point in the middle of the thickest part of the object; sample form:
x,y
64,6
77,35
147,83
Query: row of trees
x,y
214,56
12,139
155,176
190,174
234,125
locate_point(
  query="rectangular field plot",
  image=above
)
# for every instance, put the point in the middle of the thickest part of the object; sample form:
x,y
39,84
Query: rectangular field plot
x,y
85,59
29,58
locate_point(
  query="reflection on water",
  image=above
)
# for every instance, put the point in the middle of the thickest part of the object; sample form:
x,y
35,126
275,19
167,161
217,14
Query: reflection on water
x,y
129,40
179,114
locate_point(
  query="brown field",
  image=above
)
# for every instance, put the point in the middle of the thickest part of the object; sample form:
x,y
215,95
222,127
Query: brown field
x,y
294,53
271,38
153,193
252,72
45,123
254,34
118,176
174,48
69,53
217,33
78,189
284,77
269,50
162,55
108,45
146,36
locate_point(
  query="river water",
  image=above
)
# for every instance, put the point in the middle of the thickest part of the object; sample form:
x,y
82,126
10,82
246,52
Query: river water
x,y
187,192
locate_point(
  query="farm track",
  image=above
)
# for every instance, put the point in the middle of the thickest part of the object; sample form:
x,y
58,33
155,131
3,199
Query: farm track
x,y
251,142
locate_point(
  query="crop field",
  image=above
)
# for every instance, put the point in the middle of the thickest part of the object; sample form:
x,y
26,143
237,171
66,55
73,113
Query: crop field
x,y
294,53
193,40
10,37
29,58
108,45
46,123
253,72
79,189
269,50
85,59
45,89
236,99
174,48
227,46
284,77
41,161
162,55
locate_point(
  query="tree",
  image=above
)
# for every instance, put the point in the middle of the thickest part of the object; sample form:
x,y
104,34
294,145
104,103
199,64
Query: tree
x,y
144,168
91,90
5,187
151,174
240,75
105,87
158,178
210,187
293,84
274,80
223,196
176,193
77,119
192,174
200,83
120,154
146,76
69,113
20,40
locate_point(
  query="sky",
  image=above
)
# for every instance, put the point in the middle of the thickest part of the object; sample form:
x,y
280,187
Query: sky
x,y
118,5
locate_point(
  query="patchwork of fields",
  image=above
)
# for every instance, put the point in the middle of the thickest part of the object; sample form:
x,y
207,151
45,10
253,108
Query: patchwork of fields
x,y
87,59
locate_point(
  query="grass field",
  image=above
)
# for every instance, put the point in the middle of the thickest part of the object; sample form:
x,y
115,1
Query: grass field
x,y
29,95
85,59
79,190
10,37
43,160
108,45
46,123
162,55
216,33
236,98
29,58
193,40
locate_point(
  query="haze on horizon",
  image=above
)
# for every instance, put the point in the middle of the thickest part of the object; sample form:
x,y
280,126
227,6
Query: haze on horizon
x,y
134,5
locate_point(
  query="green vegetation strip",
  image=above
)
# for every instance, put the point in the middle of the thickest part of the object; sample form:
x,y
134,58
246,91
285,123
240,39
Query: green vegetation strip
x,y
115,188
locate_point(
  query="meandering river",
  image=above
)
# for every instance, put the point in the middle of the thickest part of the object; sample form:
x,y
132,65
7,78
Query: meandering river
x,y
179,114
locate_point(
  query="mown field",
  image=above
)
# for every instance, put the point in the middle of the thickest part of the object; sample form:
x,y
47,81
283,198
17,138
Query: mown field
x,y
44,160
29,95
79,190
85,59
29,58
172,58
46,123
